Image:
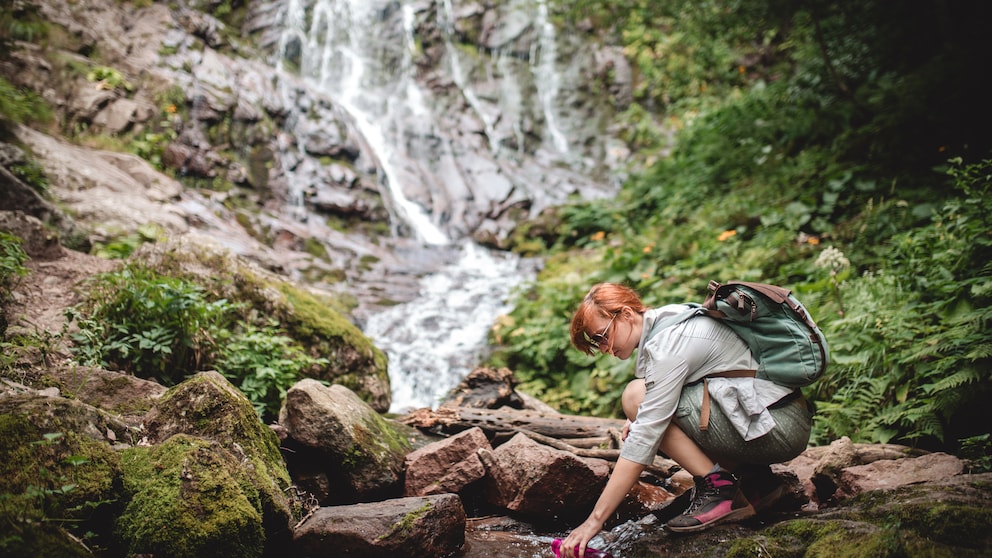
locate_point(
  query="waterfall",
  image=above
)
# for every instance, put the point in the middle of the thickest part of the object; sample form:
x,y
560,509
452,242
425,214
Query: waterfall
x,y
360,54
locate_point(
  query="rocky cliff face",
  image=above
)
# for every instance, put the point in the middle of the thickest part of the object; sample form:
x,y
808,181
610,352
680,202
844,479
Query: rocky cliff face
x,y
261,147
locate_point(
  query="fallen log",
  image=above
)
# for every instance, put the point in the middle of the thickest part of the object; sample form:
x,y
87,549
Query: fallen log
x,y
555,425
661,466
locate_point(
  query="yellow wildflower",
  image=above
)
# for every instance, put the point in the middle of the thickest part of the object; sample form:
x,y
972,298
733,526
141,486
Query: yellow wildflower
x,y
726,234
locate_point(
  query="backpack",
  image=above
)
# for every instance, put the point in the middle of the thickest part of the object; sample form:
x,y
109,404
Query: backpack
x,y
784,339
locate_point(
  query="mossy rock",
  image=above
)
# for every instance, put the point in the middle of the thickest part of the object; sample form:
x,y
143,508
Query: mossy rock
x,y
952,518
208,406
315,321
56,470
333,430
949,519
189,497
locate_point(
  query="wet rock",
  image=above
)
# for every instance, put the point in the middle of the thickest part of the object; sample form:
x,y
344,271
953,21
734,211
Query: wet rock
x,y
343,451
446,466
431,526
215,93
533,479
485,388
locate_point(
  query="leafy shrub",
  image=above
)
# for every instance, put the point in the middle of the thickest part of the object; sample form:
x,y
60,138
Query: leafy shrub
x,y
912,354
22,106
165,328
12,259
147,324
263,363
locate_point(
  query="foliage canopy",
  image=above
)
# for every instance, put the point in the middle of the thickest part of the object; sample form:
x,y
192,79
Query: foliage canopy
x,y
841,150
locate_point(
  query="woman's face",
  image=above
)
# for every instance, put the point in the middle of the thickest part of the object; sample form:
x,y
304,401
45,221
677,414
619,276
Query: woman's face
x,y
617,335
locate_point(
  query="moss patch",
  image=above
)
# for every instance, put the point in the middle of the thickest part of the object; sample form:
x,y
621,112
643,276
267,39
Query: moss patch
x,y
189,499
316,322
51,475
208,406
405,526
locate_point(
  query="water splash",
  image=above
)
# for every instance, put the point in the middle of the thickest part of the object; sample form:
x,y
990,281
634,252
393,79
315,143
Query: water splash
x,y
433,341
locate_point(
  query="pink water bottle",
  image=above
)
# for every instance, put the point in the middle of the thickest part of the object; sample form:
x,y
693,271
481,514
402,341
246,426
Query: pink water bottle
x,y
590,552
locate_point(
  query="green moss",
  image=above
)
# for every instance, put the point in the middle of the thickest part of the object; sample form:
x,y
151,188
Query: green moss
x,y
316,322
220,412
51,476
944,515
315,248
375,440
188,499
405,525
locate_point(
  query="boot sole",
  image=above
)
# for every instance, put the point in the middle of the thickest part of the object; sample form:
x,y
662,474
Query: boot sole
x,y
734,515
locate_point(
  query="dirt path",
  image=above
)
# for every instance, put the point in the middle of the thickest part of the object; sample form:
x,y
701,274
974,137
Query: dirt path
x,y
41,298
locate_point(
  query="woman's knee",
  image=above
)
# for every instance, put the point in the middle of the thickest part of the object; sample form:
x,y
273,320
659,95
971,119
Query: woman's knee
x,y
632,397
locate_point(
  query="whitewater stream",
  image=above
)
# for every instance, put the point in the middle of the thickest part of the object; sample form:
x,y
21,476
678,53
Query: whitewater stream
x,y
360,52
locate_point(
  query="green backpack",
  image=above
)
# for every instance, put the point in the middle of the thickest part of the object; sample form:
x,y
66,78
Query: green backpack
x,y
784,339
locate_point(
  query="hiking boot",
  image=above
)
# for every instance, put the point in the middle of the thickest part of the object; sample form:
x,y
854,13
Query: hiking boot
x,y
762,488
716,498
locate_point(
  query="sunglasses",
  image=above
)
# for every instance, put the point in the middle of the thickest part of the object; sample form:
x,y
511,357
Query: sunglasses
x,y
600,338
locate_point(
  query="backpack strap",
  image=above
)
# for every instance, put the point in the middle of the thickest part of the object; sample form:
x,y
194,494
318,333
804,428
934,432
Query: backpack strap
x,y
704,410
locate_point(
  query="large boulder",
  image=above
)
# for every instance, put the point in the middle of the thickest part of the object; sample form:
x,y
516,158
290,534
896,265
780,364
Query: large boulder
x,y
208,407
533,479
343,450
189,497
428,527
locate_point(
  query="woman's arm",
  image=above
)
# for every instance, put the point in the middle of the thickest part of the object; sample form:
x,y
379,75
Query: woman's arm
x,y
625,474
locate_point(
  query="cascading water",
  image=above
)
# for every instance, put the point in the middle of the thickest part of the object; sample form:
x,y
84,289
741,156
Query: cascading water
x,y
360,54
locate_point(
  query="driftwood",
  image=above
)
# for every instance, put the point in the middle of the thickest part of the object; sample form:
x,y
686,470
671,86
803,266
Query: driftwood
x,y
661,466
554,425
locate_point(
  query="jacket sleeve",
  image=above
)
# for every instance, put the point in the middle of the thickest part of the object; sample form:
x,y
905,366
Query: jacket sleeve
x,y
664,375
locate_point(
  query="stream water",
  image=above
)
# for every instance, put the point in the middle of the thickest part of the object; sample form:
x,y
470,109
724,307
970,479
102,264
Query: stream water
x,y
360,52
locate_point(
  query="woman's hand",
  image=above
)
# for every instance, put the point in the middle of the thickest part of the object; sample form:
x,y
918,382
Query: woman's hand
x,y
574,545
625,431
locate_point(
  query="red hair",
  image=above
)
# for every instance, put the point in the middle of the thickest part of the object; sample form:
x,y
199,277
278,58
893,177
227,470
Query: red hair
x,y
603,300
